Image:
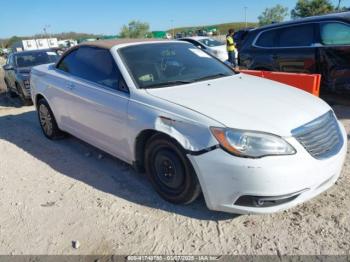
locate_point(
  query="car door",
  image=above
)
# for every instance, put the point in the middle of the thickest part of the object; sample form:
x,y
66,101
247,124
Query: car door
x,y
295,50
10,72
98,101
5,67
334,56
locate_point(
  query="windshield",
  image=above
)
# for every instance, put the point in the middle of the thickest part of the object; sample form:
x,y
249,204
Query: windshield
x,y
35,58
210,42
166,64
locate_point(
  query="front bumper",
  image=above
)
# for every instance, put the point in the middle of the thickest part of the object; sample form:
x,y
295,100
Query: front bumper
x,y
225,179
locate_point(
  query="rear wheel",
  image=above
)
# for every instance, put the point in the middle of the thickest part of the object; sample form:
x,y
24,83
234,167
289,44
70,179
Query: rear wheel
x,y
47,121
170,172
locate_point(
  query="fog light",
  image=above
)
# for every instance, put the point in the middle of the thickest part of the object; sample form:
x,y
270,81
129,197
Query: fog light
x,y
259,202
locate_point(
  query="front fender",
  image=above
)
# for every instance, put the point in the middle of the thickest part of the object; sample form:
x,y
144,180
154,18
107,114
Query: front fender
x,y
192,133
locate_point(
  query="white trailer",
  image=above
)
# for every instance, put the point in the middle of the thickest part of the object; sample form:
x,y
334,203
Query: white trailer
x,y
35,44
28,45
46,43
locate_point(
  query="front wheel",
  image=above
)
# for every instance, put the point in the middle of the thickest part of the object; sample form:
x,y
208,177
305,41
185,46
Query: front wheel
x,y
9,91
25,101
47,121
170,172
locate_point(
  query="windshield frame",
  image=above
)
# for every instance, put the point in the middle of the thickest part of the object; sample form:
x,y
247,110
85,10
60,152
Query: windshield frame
x,y
131,75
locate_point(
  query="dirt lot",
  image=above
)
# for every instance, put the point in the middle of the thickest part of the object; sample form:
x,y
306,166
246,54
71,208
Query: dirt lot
x,y
56,192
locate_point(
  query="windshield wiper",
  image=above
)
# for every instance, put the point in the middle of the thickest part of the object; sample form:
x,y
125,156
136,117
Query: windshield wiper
x,y
169,83
182,82
209,77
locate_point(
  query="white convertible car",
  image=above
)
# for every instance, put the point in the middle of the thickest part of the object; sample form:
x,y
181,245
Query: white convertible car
x,y
250,145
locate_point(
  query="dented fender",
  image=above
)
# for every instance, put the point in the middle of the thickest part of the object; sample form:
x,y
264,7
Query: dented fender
x,y
190,129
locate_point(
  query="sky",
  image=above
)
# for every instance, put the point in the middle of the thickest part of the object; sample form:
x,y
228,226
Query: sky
x,y
29,17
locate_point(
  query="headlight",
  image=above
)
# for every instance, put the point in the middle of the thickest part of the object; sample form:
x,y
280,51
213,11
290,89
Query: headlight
x,y
251,144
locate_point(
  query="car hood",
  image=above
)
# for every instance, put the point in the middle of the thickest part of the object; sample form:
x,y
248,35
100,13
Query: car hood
x,y
24,70
247,102
221,48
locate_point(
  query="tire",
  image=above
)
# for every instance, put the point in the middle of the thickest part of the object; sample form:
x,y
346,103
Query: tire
x,y
47,121
9,91
25,101
170,172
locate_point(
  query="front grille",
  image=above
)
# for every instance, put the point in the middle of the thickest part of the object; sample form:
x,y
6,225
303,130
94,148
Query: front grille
x,y
321,137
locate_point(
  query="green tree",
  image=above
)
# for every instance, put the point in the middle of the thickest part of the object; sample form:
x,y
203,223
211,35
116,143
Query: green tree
x,y
12,40
275,14
305,8
135,29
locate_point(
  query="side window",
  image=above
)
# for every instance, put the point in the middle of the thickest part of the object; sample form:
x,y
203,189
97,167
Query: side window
x,y
296,36
267,39
69,63
93,64
335,34
10,60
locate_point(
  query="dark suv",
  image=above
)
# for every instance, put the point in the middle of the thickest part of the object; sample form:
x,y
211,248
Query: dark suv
x,y
312,45
17,69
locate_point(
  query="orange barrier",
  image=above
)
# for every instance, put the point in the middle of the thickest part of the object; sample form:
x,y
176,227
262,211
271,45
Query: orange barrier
x,y
307,82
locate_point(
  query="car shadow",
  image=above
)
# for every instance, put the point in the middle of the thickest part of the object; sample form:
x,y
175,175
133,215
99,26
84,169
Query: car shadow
x,y
7,101
76,159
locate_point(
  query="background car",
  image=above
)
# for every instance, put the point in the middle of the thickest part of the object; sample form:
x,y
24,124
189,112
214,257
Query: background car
x,y
210,45
17,70
318,44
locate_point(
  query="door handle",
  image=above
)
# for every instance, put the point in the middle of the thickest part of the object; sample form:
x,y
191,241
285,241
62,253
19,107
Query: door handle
x,y
70,86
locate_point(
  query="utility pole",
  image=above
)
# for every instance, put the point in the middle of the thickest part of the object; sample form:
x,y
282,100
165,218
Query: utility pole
x,y
338,7
45,30
245,16
172,27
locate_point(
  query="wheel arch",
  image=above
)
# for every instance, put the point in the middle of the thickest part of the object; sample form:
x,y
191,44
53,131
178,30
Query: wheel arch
x,y
37,98
140,146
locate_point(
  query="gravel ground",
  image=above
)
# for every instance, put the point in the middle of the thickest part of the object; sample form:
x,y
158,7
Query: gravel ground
x,y
56,192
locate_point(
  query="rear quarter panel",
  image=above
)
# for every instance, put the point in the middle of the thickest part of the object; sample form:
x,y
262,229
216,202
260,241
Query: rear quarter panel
x,y
45,81
251,57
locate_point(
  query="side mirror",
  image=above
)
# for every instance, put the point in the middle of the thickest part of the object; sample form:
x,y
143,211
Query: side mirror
x,y
7,67
200,47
